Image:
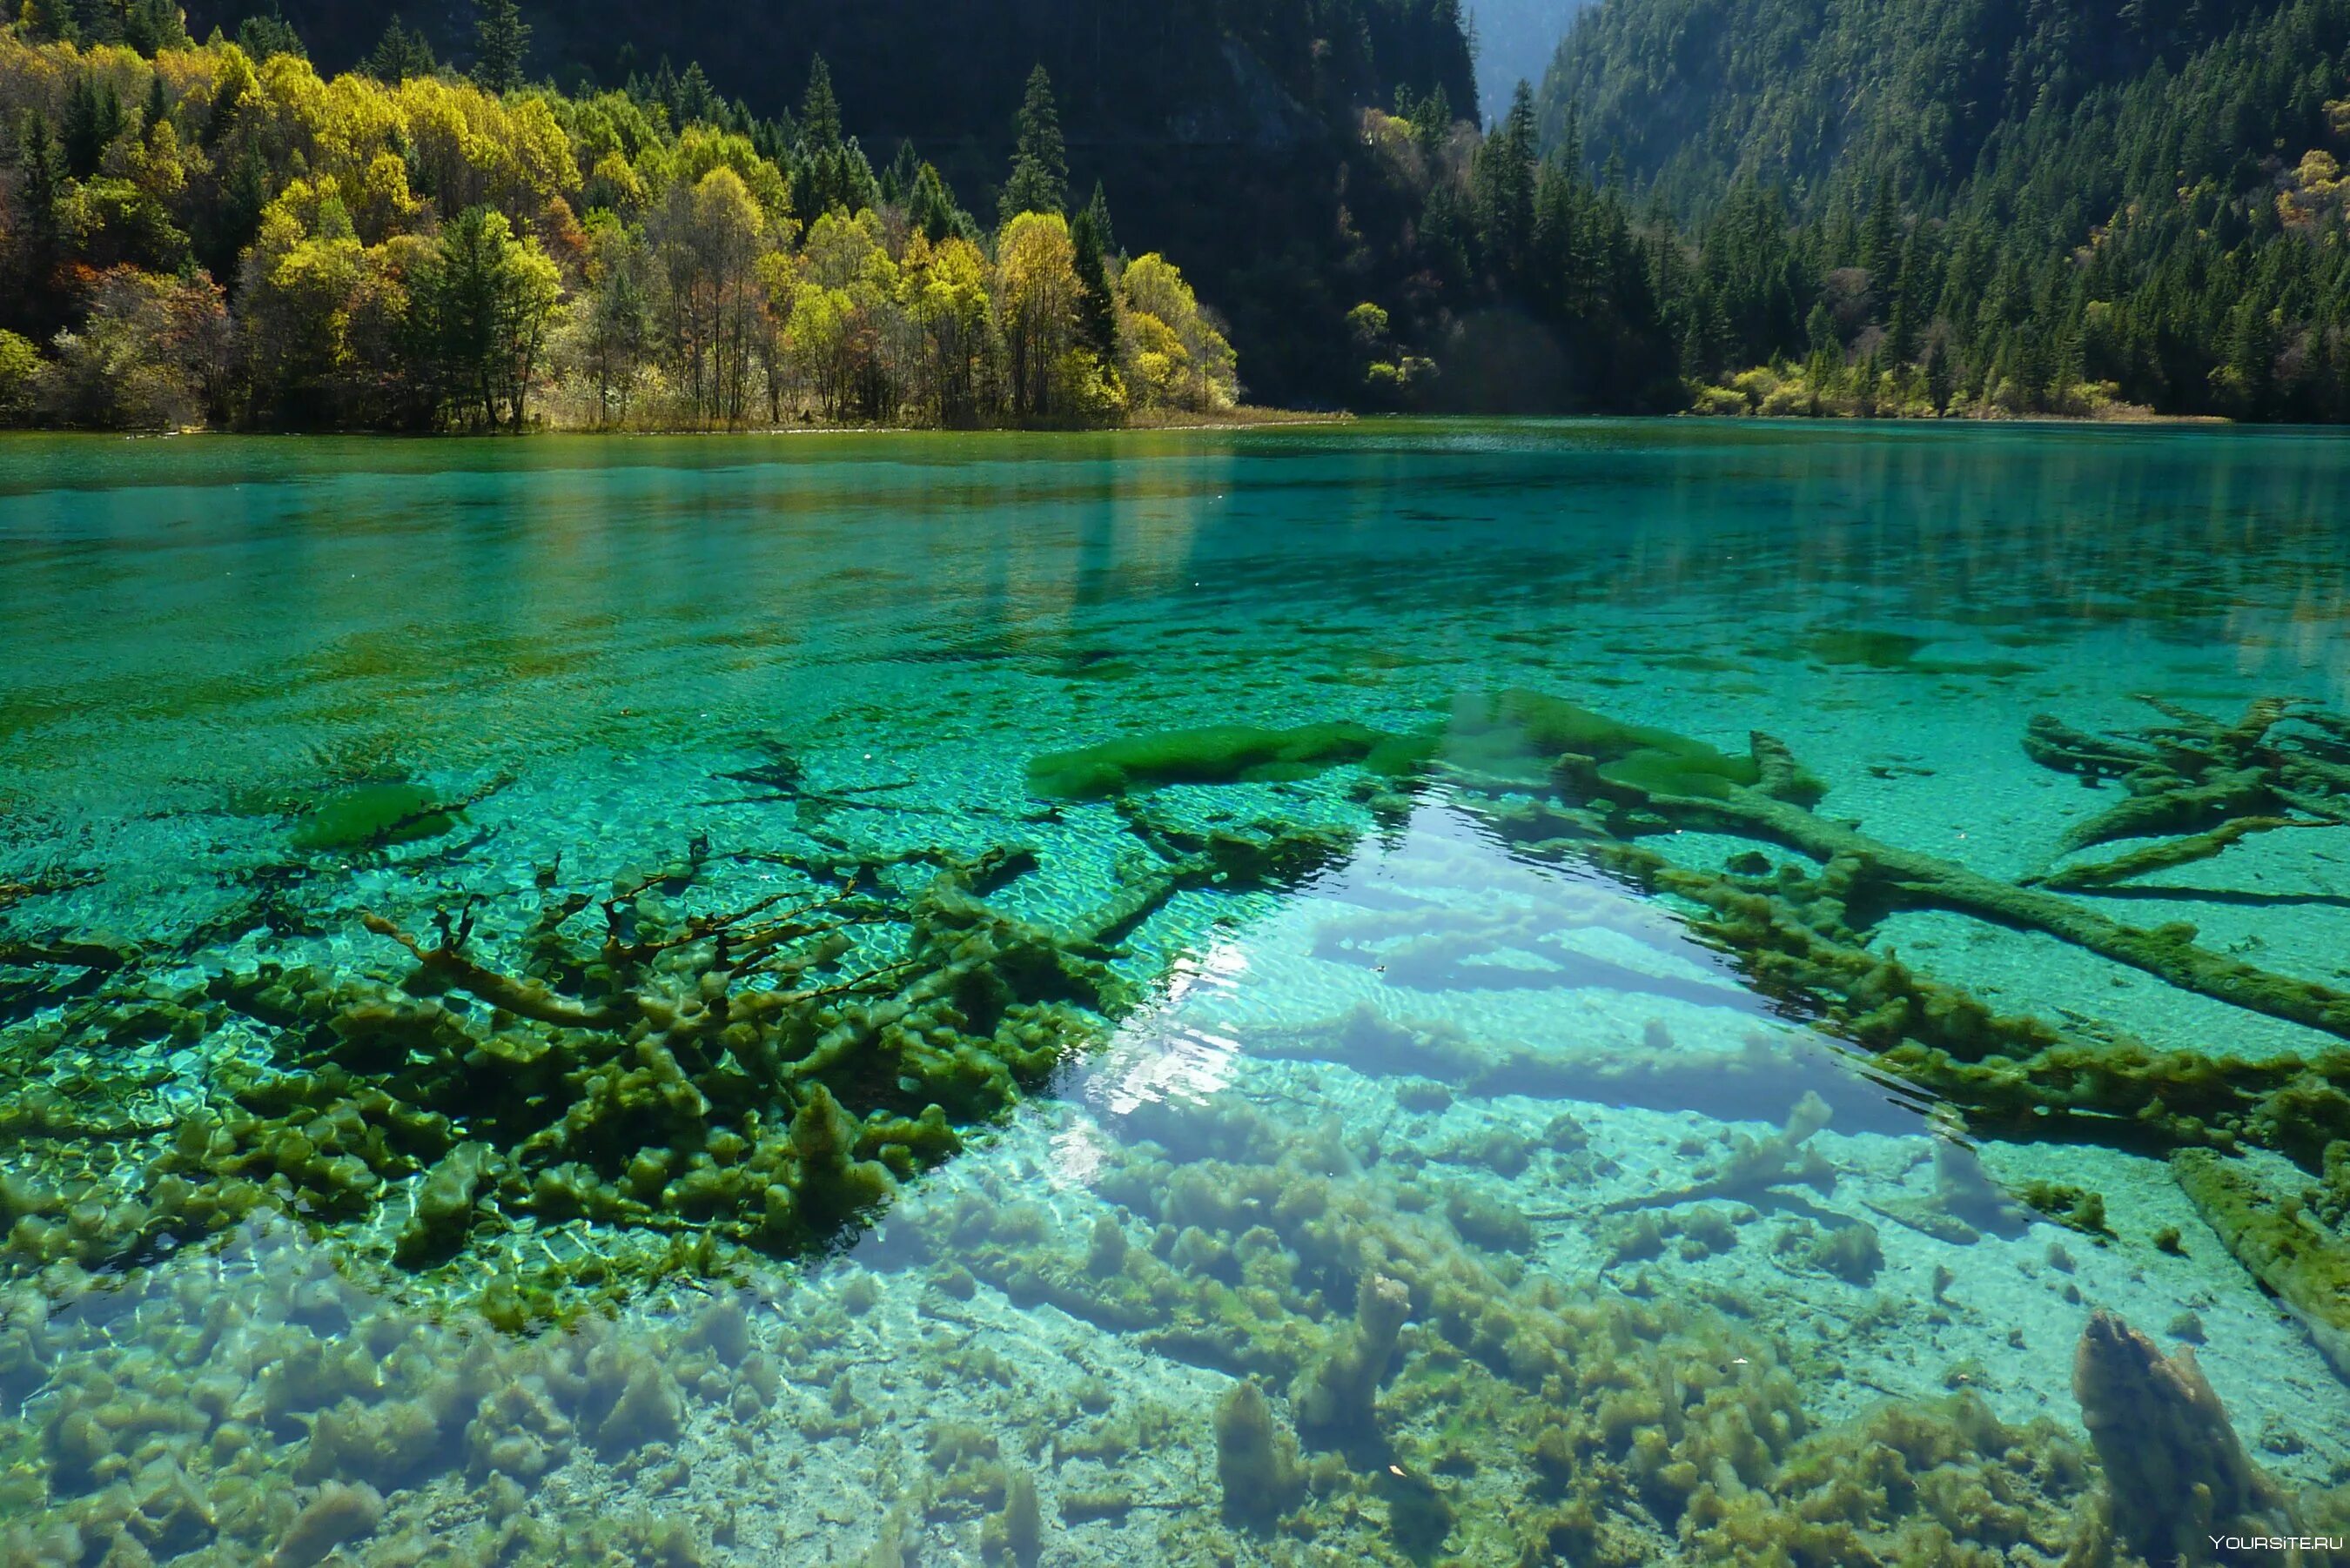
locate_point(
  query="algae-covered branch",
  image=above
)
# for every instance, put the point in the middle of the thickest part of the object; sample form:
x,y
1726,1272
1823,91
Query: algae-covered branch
x,y
647,1065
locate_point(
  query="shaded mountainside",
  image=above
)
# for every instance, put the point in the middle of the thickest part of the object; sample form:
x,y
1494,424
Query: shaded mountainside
x,y
2019,205
1515,42
1696,95
1223,129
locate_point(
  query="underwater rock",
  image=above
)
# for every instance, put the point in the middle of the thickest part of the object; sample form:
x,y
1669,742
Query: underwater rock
x,y
1255,1461
1420,1515
2175,1470
2284,1246
1850,1251
2074,1208
1335,1400
444,1207
1487,1221
517,1432
1106,1254
337,1515
1017,1534
649,1410
390,1444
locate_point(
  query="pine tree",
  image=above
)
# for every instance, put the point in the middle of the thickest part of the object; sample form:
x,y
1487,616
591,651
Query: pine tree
x,y
1097,213
819,110
1096,308
1505,180
898,180
41,169
698,102
101,22
1040,164
931,209
1431,118
93,120
500,44
269,34
50,21
401,54
159,107
153,26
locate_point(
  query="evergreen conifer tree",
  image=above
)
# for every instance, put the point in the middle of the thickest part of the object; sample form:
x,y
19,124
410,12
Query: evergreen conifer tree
x,y
402,53
1040,164
500,44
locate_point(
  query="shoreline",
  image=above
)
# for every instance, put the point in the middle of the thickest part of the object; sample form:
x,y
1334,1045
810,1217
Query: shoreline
x,y
1245,419
2134,417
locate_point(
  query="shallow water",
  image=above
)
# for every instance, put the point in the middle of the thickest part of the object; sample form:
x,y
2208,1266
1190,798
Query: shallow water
x,y
1416,1097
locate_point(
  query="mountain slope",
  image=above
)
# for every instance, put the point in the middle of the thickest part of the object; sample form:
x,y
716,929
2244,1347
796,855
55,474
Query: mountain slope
x,y
1515,41
1223,129
1694,95
1992,206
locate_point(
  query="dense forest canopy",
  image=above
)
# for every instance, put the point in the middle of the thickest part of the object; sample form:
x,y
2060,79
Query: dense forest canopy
x,y
1224,130
2007,204
216,232
1915,208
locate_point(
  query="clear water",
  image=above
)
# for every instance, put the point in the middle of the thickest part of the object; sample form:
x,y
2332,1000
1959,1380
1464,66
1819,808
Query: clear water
x,y
1444,1064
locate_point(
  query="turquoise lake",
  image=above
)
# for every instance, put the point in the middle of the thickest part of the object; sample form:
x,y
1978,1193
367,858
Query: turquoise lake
x,y
1404,993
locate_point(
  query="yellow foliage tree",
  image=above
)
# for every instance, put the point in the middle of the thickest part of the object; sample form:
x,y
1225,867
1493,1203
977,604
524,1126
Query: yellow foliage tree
x,y
1176,354
1038,291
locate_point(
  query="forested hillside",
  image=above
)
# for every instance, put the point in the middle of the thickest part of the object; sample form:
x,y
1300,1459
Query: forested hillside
x,y
1514,41
1993,205
215,233
1913,208
1224,131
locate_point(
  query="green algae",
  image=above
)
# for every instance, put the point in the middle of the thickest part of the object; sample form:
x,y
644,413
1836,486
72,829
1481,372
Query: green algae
x,y
368,815
1223,753
1518,733
1518,1420
2291,1251
1861,645
771,1082
764,1078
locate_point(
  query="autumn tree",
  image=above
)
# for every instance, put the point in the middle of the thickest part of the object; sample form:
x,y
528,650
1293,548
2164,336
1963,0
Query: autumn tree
x,y
152,353
945,290
610,344
1037,292
1180,359
709,238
